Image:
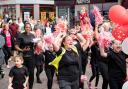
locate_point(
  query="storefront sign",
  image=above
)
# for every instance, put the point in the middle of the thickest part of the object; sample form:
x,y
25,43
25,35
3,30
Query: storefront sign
x,y
83,1
63,11
51,15
43,16
26,15
65,2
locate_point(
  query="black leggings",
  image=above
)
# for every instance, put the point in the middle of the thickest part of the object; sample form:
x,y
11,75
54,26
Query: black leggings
x,y
7,52
104,72
68,85
49,73
39,70
30,64
95,73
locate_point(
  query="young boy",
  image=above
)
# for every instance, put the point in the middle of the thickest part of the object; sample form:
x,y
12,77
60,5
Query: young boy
x,y
18,76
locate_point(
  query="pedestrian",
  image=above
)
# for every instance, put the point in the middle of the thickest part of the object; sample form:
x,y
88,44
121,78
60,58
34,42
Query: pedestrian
x,y
94,65
116,65
102,62
69,69
38,53
9,42
49,70
25,45
18,75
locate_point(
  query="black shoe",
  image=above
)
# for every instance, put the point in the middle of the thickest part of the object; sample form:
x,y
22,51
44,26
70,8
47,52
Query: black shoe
x,y
39,81
2,74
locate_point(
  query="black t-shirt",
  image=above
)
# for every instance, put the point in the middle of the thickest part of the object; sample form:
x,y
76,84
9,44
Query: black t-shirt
x,y
18,74
39,59
95,55
117,65
26,40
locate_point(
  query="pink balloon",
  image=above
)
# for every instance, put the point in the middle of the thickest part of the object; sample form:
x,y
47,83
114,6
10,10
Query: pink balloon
x,y
118,14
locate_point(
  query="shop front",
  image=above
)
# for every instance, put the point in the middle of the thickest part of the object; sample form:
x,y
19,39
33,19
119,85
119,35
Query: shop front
x,y
65,10
103,5
7,11
47,12
27,11
27,8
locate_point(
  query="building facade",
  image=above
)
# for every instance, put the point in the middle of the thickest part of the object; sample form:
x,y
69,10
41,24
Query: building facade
x,y
37,9
44,9
103,5
65,9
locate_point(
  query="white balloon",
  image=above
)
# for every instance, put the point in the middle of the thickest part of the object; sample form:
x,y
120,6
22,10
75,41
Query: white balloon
x,y
125,46
125,85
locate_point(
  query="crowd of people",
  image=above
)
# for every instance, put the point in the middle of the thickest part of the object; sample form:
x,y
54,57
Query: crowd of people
x,y
63,51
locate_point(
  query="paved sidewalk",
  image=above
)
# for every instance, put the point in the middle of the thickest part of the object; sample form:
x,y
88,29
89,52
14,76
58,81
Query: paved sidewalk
x,y
4,82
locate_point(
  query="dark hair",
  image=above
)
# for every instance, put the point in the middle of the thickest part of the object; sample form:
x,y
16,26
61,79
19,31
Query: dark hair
x,y
27,24
64,40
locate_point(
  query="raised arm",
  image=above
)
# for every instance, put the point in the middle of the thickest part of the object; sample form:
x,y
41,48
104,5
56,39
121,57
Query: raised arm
x,y
102,51
84,43
96,32
58,40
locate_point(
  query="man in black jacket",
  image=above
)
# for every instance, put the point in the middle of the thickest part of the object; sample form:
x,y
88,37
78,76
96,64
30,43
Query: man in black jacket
x,y
116,65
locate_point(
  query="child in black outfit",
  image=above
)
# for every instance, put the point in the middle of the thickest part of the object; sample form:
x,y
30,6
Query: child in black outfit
x,y
49,70
18,75
39,61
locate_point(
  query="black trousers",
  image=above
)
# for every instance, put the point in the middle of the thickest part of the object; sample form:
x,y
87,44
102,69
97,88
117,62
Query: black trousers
x,y
68,85
30,64
18,86
95,73
8,52
39,70
115,84
104,72
49,70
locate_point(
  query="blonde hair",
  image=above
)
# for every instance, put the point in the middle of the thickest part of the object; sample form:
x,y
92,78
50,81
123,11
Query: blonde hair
x,y
18,56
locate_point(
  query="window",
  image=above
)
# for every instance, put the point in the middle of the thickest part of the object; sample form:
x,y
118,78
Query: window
x,y
111,0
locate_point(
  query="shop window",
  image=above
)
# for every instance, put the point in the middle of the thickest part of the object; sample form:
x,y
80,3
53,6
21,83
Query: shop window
x,y
111,0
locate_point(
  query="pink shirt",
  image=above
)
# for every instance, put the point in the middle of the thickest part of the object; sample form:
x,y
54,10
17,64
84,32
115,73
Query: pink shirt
x,y
8,40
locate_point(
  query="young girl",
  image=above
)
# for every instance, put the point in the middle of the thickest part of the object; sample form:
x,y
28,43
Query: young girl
x,y
18,76
38,55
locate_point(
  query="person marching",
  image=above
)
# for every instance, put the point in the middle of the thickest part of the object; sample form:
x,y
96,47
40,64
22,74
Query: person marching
x,y
38,53
9,42
18,75
116,65
2,56
25,45
49,70
67,62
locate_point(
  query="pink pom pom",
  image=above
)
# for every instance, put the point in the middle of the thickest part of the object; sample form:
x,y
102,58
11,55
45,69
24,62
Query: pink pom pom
x,y
48,39
104,39
98,16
